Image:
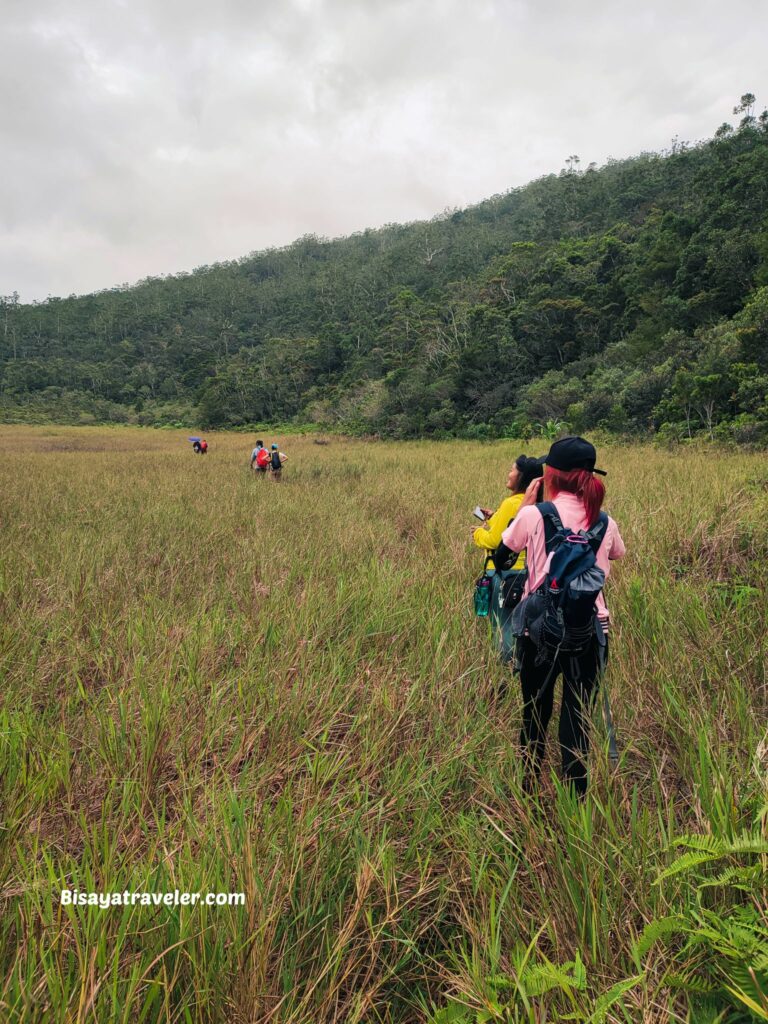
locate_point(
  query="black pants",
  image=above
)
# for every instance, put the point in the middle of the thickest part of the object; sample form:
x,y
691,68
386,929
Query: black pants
x,y
581,674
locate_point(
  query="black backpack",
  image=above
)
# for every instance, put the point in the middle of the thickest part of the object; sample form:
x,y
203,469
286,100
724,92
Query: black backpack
x,y
560,616
275,460
512,582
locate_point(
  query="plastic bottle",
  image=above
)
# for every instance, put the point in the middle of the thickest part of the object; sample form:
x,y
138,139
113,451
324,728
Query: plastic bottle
x,y
483,596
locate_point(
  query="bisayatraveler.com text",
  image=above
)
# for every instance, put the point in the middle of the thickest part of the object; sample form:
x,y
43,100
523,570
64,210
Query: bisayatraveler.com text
x,y
105,900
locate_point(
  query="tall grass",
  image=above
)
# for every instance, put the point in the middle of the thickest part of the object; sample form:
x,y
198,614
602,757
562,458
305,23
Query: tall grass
x,y
216,683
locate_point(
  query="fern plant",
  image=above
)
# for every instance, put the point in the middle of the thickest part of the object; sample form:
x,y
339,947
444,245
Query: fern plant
x,y
723,958
508,996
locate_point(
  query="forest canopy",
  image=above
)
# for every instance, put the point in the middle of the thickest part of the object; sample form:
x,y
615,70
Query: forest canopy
x,y
631,297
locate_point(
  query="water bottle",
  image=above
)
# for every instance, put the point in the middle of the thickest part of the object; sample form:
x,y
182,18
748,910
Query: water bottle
x,y
483,596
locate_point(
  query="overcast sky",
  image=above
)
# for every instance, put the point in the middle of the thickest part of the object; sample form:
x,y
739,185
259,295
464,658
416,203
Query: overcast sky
x,y
143,137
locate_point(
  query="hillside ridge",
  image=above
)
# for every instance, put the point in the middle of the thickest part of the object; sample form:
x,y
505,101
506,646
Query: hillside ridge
x,y
631,297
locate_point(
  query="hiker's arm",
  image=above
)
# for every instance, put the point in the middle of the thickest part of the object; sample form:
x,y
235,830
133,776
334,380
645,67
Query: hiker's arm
x,y
518,533
482,537
489,537
617,549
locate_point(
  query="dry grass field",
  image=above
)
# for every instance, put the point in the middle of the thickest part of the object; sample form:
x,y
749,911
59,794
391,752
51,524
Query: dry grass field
x,y
215,683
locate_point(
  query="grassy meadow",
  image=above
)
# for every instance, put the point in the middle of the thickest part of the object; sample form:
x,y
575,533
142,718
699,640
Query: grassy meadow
x,y
211,682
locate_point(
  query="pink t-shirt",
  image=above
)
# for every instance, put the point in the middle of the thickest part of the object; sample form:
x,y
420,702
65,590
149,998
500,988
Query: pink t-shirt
x,y
527,531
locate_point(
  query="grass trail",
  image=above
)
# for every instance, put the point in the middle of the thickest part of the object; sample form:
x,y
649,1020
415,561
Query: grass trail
x,y
215,683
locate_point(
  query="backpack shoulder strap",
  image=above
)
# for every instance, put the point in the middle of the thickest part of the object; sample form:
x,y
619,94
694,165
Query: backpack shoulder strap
x,y
597,534
552,522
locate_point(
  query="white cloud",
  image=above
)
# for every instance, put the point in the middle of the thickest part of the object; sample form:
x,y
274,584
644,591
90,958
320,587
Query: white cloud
x,y
143,138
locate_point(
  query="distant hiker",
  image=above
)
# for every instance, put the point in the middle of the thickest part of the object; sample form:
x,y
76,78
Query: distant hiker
x,y
199,446
259,458
506,584
203,447
276,460
562,628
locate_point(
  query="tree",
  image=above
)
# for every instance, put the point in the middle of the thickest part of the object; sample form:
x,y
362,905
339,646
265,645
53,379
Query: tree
x,y
620,280
9,306
746,106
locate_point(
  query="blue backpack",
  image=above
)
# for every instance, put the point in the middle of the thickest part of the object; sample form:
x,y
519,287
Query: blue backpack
x,y
559,616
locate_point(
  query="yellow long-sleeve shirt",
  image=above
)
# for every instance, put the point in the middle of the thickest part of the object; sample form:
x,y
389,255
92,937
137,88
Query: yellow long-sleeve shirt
x,y
489,538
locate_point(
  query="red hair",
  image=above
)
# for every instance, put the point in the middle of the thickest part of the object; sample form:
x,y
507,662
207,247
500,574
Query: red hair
x,y
582,483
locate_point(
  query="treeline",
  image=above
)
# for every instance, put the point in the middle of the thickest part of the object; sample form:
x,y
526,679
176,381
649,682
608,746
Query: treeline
x,y
633,298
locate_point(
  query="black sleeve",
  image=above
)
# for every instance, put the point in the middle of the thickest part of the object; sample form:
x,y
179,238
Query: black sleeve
x,y
502,556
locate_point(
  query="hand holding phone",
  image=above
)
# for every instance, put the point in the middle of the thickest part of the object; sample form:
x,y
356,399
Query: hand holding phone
x,y
534,492
478,513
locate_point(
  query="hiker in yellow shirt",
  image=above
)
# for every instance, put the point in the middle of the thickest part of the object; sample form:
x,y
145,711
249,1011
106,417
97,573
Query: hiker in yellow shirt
x,y
507,581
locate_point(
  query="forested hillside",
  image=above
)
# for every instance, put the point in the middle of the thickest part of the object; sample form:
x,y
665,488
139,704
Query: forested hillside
x,y
632,297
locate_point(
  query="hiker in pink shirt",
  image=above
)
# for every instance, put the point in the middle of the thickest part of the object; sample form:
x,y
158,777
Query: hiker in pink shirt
x,y
576,497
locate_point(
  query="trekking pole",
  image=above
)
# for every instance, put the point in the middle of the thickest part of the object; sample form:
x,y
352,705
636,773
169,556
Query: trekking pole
x,y
613,751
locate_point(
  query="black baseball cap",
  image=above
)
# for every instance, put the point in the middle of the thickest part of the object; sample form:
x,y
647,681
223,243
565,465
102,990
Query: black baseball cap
x,y
530,469
572,453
